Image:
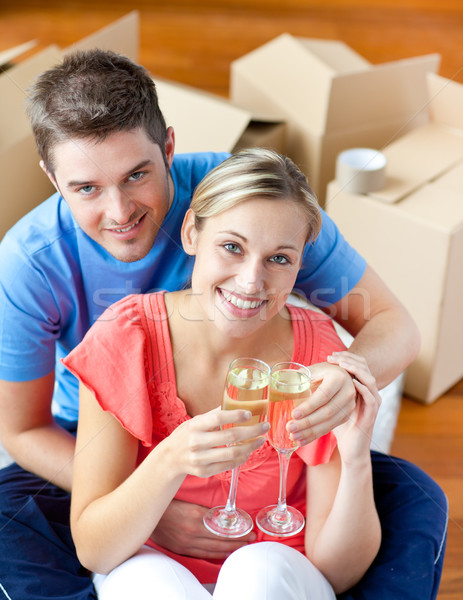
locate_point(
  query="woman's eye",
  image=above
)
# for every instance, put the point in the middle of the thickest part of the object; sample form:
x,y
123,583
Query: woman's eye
x,y
232,247
281,260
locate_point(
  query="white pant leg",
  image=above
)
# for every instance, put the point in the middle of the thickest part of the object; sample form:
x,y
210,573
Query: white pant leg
x,y
150,575
271,571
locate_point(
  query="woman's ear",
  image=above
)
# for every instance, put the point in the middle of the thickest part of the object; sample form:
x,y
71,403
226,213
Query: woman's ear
x,y
189,233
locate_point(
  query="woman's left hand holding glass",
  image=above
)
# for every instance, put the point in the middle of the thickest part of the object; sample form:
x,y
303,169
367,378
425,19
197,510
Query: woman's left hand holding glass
x,y
204,445
349,533
331,403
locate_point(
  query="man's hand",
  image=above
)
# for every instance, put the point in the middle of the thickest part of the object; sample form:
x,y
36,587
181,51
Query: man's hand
x,y
331,403
181,530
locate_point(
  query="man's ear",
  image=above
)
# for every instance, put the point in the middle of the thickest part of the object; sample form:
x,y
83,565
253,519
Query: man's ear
x,y
170,145
49,174
189,233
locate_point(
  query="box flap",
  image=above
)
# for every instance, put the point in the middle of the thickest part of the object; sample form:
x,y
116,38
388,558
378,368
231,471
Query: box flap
x,y
202,121
420,156
249,95
435,206
258,115
122,36
7,56
340,57
446,101
452,179
297,81
389,91
13,90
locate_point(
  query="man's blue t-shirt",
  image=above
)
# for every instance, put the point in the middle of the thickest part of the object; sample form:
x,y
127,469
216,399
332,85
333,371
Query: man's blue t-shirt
x,y
55,281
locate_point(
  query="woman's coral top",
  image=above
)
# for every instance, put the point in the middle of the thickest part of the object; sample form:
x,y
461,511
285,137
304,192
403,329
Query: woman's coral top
x,y
126,360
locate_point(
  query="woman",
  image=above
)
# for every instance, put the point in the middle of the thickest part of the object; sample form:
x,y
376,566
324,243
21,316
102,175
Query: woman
x,y
152,372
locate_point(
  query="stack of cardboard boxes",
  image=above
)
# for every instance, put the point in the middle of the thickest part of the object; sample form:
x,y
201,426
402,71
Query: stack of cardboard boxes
x,y
331,98
411,231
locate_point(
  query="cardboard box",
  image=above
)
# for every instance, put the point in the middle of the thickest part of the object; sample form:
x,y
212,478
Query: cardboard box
x,y
411,232
122,36
204,122
7,56
331,98
24,185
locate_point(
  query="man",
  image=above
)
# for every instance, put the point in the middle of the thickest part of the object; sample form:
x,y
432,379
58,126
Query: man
x,y
113,229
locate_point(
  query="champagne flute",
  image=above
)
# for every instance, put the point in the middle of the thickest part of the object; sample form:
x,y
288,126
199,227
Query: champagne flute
x,y
246,387
289,386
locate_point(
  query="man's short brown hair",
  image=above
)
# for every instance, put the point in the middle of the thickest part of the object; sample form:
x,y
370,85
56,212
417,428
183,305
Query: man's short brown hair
x,y
93,94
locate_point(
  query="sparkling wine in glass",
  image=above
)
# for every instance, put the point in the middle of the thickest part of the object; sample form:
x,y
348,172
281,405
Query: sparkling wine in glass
x,y
246,387
289,386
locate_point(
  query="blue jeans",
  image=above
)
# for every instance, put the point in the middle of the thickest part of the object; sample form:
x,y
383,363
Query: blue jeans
x,y
38,560
413,511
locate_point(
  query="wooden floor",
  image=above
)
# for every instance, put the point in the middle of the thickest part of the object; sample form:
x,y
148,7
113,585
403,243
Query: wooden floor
x,y
195,41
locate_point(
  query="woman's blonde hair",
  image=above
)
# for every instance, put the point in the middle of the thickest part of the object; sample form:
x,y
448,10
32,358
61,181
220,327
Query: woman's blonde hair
x,y
255,173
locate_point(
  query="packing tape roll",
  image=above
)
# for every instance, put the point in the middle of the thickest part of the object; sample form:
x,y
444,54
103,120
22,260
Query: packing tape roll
x,y
361,170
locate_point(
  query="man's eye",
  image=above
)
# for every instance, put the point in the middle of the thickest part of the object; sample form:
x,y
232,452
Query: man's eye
x,y
279,259
86,189
136,176
232,247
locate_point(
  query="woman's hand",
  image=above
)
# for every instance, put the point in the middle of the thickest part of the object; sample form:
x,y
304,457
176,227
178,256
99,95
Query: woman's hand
x,y
213,442
331,403
343,532
354,436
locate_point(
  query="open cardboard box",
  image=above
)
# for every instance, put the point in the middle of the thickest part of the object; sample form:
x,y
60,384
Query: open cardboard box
x,y
204,122
331,98
411,232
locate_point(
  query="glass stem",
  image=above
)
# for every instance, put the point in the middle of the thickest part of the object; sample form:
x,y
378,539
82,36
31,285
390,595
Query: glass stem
x,y
230,507
284,458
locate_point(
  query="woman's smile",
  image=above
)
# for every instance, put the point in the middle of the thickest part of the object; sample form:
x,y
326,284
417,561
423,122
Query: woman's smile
x,y
239,305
